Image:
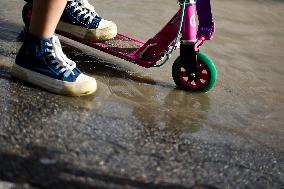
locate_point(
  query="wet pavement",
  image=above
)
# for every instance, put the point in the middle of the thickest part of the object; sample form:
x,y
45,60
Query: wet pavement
x,y
138,131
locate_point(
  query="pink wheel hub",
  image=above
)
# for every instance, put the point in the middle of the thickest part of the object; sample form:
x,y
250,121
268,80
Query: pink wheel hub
x,y
200,81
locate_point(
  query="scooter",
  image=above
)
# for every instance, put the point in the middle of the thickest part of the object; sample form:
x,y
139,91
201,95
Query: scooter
x,y
191,71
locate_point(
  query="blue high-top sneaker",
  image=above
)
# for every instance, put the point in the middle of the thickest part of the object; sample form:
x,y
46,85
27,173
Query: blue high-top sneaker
x,y
41,62
80,19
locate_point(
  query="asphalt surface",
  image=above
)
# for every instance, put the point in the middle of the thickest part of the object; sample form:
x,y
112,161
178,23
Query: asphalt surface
x,y
135,132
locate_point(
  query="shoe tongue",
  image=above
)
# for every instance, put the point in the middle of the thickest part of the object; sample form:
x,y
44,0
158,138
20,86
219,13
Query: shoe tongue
x,y
46,40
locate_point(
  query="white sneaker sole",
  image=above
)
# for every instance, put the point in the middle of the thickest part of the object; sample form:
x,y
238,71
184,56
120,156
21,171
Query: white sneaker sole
x,y
87,86
103,34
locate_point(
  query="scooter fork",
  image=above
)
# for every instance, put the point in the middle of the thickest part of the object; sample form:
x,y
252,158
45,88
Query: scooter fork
x,y
188,40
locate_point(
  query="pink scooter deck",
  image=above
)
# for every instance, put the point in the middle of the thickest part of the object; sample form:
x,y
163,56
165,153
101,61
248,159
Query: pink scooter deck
x,y
121,46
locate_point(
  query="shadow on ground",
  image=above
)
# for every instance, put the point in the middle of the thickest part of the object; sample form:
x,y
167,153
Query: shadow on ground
x,y
40,169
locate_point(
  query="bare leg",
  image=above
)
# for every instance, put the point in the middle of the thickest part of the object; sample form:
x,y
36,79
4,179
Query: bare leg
x,y
46,15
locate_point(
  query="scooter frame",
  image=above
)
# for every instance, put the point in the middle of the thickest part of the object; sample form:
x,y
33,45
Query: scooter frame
x,y
155,49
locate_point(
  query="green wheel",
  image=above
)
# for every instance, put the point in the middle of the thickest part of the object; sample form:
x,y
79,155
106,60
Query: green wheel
x,y
204,79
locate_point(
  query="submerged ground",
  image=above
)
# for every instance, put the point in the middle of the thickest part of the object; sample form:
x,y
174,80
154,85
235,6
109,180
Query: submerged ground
x,y
138,131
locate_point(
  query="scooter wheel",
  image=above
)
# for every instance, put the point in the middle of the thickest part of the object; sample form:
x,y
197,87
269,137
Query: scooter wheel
x,y
27,13
204,79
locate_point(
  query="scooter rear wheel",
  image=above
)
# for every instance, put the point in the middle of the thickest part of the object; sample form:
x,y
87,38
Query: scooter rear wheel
x,y
204,79
27,13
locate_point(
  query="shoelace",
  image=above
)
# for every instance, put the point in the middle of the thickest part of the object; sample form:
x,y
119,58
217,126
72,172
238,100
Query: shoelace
x,y
84,8
85,4
60,58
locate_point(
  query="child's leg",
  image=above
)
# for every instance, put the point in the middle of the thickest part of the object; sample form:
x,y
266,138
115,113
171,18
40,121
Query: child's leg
x,y
40,60
46,15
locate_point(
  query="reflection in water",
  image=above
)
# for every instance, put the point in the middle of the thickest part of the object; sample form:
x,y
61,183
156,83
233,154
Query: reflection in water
x,y
186,112
154,105
176,112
